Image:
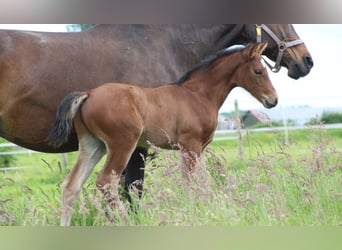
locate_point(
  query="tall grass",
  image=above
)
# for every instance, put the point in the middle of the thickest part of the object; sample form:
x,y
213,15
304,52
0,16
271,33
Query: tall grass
x,y
276,184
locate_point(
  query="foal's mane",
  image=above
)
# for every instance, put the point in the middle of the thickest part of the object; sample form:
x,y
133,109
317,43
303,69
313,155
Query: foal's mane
x,y
205,63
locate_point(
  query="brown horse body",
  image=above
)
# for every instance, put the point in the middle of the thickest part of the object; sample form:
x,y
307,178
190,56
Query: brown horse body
x,y
117,118
38,69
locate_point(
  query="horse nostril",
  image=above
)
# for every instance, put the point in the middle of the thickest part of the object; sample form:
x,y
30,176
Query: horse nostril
x,y
276,102
270,104
309,62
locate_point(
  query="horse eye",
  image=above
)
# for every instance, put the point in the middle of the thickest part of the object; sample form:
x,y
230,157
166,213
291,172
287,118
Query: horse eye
x,y
258,71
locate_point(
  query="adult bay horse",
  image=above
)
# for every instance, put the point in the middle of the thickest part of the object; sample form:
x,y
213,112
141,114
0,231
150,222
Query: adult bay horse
x,y
116,118
38,69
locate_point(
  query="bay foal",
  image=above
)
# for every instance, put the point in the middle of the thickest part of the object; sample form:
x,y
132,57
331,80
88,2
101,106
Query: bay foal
x,y
116,118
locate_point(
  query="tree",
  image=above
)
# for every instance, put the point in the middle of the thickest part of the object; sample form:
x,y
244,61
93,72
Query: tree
x,y
78,27
331,117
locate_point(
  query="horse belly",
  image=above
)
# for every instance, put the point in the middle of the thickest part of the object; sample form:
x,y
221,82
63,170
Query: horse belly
x,y
159,130
158,138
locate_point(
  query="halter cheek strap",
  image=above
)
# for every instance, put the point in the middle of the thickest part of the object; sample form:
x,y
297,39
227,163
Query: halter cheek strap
x,y
282,45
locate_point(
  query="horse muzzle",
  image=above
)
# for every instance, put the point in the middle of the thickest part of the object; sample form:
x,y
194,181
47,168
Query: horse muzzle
x,y
270,102
297,70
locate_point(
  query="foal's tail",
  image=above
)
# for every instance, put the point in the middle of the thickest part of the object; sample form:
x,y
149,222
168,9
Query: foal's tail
x,y
63,123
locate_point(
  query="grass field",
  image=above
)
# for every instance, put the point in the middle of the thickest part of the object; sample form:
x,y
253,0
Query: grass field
x,y
298,183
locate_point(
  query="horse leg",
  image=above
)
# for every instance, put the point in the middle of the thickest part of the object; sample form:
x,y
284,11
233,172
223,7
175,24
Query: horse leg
x,y
134,172
91,151
190,152
119,151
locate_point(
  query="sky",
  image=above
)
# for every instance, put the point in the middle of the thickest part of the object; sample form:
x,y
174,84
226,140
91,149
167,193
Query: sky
x,y
321,88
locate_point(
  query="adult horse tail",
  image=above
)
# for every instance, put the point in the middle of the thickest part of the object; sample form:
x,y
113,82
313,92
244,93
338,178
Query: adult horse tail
x,y
63,124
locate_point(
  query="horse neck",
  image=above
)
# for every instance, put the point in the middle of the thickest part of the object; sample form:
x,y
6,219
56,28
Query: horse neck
x,y
215,82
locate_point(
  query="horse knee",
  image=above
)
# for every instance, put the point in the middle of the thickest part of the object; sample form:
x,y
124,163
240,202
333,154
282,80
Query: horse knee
x,y
105,179
108,185
70,191
102,180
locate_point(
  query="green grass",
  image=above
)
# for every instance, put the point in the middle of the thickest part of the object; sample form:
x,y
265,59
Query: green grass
x,y
275,184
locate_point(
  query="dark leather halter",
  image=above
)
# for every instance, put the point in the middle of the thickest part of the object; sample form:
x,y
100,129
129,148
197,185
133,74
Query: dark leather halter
x,y
282,45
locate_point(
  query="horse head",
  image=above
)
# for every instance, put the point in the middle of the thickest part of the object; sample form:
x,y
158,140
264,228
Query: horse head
x,y
252,76
284,47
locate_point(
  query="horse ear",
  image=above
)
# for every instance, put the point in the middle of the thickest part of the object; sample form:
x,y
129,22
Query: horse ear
x,y
261,47
256,49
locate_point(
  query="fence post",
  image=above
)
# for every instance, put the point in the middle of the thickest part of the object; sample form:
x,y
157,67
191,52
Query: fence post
x,y
285,125
238,129
64,159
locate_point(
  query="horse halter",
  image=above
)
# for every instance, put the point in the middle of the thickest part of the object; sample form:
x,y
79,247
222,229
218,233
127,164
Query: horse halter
x,y
282,45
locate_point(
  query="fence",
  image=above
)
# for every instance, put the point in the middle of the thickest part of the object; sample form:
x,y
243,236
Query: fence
x,y
232,134
229,135
238,134
14,150
17,150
